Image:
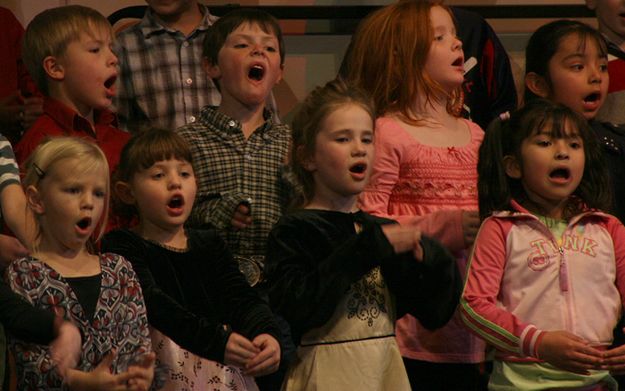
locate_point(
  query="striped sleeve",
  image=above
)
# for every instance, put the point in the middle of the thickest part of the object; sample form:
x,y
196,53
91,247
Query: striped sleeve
x,y
9,172
478,304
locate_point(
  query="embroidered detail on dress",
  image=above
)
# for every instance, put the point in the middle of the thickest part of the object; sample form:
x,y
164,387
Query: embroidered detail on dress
x,y
367,300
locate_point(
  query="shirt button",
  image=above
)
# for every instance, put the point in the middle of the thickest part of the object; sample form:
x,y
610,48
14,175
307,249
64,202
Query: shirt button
x,y
248,156
191,119
231,123
185,44
189,81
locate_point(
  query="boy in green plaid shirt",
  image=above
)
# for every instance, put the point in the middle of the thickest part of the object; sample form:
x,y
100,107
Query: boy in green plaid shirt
x,y
238,148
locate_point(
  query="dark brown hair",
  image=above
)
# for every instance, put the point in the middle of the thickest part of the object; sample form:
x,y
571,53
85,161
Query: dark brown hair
x,y
150,146
218,33
504,138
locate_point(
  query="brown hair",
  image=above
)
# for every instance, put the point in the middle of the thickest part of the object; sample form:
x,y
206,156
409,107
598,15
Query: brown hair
x,y
307,123
140,153
218,33
388,56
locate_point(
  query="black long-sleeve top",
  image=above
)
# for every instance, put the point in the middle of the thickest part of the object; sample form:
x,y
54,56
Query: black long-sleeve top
x,y
190,296
313,256
22,319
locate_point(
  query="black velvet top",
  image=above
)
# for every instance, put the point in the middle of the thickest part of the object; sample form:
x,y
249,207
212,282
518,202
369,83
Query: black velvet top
x,y
313,256
191,295
22,319
611,138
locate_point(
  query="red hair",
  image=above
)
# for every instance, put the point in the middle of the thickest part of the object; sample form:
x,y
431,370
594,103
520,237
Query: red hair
x,y
388,59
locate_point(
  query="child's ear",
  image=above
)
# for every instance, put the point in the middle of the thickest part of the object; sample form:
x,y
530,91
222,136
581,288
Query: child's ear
x,y
53,68
280,74
33,197
305,159
512,167
124,192
211,69
537,84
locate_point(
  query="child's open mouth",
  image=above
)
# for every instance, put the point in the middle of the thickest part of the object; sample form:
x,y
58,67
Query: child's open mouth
x,y
176,202
109,84
358,170
256,72
560,174
84,224
458,63
592,98
175,206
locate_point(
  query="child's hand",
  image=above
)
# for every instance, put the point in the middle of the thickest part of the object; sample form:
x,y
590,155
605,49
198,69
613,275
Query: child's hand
x,y
100,379
241,218
66,347
470,226
239,350
142,373
570,352
268,360
614,360
404,238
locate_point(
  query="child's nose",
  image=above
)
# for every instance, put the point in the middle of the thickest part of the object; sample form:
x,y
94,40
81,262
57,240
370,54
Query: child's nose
x,y
257,50
359,149
113,60
457,43
175,182
595,74
87,201
562,150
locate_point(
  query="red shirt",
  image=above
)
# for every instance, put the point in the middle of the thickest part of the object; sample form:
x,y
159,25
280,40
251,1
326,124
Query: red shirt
x,y
59,120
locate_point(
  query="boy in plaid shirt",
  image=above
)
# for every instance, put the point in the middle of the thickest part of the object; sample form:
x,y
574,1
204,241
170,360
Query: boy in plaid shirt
x,y
238,147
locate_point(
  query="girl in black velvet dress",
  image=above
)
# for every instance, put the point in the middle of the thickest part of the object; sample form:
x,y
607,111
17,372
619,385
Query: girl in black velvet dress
x,y
208,326
340,276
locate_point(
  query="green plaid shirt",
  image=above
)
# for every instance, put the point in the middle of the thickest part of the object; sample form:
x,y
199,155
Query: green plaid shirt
x,y
230,170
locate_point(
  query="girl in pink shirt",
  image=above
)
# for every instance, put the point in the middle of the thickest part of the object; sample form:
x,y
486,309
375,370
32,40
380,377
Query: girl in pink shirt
x,y
425,166
546,279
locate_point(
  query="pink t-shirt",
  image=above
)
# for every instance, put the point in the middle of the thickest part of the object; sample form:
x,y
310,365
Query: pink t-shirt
x,y
413,182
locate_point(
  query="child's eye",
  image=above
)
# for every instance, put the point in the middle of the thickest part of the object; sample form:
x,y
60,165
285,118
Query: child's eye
x,y
240,45
342,139
367,140
543,143
185,174
603,67
99,193
158,175
94,50
577,67
271,49
439,37
72,190
575,144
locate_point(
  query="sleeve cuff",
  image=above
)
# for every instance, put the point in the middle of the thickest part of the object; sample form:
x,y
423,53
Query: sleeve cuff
x,y
530,341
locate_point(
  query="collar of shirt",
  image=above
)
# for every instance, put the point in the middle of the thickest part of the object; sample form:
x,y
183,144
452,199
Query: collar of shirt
x,y
151,24
214,118
70,120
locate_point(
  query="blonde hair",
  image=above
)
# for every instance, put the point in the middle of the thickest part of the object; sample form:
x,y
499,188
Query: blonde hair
x,y
51,31
54,150
394,76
